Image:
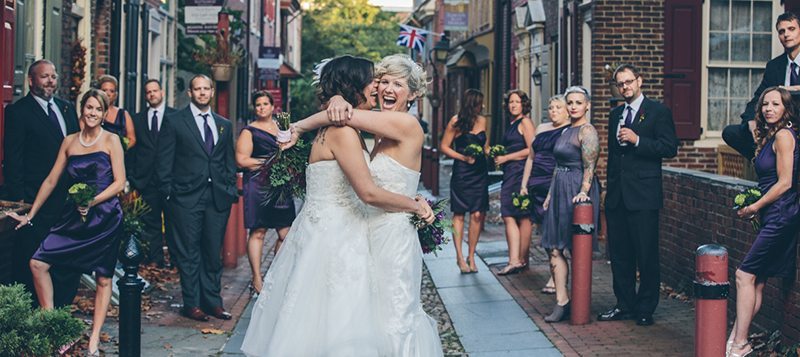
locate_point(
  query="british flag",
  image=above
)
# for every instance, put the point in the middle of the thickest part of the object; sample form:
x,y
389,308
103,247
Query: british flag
x,y
412,37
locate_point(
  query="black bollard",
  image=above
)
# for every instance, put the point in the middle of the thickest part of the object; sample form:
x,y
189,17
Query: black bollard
x,y
130,300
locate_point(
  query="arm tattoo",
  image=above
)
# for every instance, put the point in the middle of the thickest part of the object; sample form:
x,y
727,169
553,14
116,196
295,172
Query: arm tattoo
x,y
590,150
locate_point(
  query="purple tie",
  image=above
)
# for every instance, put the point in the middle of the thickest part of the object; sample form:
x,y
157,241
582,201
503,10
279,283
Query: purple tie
x,y
209,141
629,117
794,79
54,118
154,124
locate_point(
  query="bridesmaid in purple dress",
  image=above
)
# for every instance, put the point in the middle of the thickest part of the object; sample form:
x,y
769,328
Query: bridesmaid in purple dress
x,y
256,142
92,156
117,120
773,253
469,183
517,141
539,168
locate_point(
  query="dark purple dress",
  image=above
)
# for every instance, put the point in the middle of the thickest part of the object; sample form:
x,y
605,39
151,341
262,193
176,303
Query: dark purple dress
x,y
257,213
773,253
512,172
91,245
118,126
469,184
567,178
542,171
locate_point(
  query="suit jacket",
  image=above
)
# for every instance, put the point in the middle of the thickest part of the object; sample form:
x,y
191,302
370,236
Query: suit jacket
x,y
31,147
774,75
634,173
185,170
139,166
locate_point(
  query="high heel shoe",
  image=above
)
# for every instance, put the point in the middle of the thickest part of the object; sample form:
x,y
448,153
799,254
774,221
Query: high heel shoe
x,y
559,313
511,269
472,269
464,268
253,291
731,354
96,353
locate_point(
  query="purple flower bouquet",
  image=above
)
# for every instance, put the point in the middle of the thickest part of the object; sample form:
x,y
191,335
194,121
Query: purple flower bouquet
x,y
434,235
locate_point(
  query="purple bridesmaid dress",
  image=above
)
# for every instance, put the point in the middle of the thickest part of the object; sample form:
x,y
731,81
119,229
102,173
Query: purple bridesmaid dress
x,y
542,171
257,213
469,184
512,172
89,246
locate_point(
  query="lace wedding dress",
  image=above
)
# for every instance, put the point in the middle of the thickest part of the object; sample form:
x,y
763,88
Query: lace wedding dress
x,y
317,298
397,260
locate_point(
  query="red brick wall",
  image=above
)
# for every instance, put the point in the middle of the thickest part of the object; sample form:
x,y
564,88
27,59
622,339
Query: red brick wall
x,y
101,32
697,210
632,31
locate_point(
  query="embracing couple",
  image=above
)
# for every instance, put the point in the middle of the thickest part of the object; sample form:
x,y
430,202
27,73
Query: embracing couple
x,y
347,281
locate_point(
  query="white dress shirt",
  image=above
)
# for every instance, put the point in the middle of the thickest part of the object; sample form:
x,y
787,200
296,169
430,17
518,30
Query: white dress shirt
x,y
199,121
159,115
56,109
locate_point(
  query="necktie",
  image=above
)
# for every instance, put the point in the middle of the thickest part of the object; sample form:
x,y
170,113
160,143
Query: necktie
x,y
209,141
629,117
154,124
54,118
794,79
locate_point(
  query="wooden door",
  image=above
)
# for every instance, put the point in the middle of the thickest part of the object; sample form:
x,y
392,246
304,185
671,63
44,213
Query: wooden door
x,y
682,57
8,16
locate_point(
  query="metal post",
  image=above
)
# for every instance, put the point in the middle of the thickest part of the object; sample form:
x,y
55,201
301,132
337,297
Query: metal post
x,y
131,53
583,227
130,301
711,287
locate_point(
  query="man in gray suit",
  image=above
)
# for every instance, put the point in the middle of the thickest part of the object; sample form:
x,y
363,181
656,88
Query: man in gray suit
x,y
197,178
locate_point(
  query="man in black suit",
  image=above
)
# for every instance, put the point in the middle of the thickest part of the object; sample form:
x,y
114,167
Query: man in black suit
x,y
641,133
783,70
141,171
35,126
197,177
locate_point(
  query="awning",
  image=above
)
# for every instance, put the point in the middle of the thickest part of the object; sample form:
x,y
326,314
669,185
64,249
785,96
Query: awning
x,y
455,55
287,71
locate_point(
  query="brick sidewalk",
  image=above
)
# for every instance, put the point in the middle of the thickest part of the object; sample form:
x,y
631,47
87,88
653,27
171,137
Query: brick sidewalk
x,y
672,334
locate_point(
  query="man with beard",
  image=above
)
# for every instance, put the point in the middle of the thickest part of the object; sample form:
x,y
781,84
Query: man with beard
x,y
35,126
141,171
196,174
641,133
783,70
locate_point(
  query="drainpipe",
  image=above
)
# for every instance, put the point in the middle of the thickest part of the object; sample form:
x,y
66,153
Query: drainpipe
x,y
145,60
131,52
115,37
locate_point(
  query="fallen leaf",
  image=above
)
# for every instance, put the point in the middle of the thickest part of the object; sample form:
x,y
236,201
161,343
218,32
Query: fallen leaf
x,y
212,331
167,346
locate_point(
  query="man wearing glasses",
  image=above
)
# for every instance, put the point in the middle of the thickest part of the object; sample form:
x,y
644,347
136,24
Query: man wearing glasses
x,y
641,133
35,126
783,70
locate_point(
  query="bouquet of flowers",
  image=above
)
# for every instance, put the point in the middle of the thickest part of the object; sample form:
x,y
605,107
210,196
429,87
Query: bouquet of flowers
x,y
495,151
82,194
474,150
523,202
284,173
433,236
745,198
283,119
125,142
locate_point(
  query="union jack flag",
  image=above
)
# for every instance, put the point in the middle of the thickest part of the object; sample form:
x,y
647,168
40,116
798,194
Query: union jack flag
x,y
412,37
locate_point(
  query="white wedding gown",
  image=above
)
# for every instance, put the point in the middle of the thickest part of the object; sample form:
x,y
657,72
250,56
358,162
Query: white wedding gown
x,y
407,331
317,295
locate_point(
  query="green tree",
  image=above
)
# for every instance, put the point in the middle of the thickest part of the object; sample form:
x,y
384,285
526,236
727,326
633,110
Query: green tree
x,y
337,27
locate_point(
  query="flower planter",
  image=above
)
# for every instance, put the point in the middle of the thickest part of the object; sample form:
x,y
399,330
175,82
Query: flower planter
x,y
7,232
614,91
221,72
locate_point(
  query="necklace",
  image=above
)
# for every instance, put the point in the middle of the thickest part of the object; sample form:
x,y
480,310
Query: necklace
x,y
85,144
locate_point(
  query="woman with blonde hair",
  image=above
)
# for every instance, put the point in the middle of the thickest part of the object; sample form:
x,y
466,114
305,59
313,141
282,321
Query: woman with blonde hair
x,y
117,120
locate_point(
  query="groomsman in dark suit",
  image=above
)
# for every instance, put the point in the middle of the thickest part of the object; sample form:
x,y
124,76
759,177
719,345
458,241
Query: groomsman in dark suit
x,y
197,177
141,171
641,133
35,126
783,70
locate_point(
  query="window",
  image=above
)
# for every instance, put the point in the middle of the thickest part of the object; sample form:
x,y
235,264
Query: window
x,y
740,37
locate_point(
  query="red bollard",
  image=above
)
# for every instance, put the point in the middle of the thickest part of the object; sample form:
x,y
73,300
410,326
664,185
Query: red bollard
x,y
583,227
711,287
238,208
229,257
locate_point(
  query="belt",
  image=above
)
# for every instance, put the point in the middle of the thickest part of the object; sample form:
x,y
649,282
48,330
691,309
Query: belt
x,y
566,168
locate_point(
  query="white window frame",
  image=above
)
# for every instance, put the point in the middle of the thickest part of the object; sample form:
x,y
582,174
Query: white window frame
x,y
713,138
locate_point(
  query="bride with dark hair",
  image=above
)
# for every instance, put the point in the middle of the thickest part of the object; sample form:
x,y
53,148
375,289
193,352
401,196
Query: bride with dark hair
x,y
317,295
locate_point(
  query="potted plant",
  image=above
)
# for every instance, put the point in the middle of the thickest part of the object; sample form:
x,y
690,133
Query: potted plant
x,y
608,73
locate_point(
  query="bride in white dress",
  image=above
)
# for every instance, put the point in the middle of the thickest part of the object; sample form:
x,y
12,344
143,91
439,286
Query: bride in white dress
x,y
393,243
317,295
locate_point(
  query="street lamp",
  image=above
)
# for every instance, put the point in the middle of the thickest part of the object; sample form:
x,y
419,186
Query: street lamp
x,y
537,77
437,56
441,49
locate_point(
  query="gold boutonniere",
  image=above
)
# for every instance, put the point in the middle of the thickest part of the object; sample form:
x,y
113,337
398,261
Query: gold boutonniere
x,y
641,117
221,129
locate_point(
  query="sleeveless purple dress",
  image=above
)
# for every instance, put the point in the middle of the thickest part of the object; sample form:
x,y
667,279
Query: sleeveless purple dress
x,y
773,253
118,126
567,178
91,245
257,213
512,172
542,171
469,184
